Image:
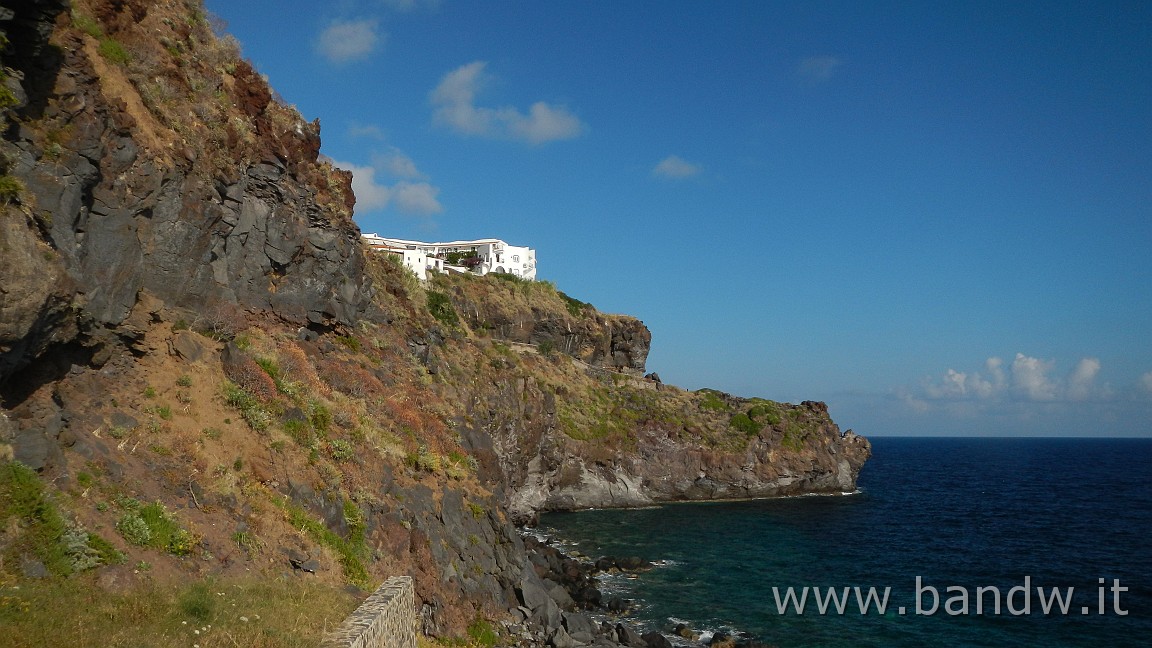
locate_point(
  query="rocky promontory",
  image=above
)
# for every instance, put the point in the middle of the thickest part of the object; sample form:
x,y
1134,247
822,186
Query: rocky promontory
x,y
205,376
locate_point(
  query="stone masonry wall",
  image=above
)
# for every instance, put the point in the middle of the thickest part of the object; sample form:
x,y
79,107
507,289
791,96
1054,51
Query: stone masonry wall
x,y
386,619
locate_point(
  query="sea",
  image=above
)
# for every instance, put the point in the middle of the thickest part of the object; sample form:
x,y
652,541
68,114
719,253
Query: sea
x,y
1057,532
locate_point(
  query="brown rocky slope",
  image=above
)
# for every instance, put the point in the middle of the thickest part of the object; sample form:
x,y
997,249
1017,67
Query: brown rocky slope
x,y
187,317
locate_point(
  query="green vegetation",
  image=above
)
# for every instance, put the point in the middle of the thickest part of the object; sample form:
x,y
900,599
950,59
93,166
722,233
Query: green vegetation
x,y
247,541
440,306
341,450
87,24
745,424
261,613
199,603
254,412
712,400
351,343
11,188
482,633
152,526
351,550
575,306
111,49
766,411
39,528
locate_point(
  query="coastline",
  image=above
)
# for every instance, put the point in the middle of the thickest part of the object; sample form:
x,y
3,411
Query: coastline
x,y
581,590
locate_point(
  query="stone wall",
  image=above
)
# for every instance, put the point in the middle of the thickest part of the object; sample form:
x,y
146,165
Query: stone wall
x,y
385,619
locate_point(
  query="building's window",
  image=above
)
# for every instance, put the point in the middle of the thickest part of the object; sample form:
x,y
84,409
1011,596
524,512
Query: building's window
x,y
515,258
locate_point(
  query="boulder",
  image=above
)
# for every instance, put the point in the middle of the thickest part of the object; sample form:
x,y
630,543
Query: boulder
x,y
722,640
629,637
187,346
685,632
656,640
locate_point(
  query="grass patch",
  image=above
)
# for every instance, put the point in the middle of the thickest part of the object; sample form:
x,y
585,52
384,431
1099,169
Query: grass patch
x,y
351,550
255,414
712,400
114,51
482,634
152,526
41,530
280,613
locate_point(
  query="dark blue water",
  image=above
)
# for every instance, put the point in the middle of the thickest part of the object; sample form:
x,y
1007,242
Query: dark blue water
x,y
956,512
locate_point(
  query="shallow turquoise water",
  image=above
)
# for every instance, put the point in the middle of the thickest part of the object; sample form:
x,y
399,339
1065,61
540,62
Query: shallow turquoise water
x,y
957,512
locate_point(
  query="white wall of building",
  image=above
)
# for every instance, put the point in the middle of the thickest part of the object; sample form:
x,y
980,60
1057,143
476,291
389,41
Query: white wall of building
x,y
495,255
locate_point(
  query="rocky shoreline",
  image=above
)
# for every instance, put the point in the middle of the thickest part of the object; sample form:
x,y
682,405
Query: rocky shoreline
x,y
563,606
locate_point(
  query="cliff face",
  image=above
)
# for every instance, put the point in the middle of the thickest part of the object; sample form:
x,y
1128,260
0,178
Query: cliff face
x,y
571,424
540,316
122,202
187,317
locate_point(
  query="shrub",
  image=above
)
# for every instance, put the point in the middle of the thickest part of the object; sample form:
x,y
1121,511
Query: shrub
x,y
165,532
300,432
253,411
134,529
575,306
351,343
320,416
341,450
712,401
11,188
744,424
482,633
440,306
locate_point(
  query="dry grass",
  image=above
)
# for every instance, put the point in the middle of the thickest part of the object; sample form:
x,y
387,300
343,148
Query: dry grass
x,y
280,612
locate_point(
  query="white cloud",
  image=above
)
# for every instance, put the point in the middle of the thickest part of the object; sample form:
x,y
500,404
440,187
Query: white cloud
x,y
1083,378
398,164
416,198
818,68
544,123
1028,379
674,166
348,40
370,195
1146,382
366,131
411,5
454,100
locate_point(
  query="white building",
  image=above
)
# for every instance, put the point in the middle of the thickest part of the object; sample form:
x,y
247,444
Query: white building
x,y
480,256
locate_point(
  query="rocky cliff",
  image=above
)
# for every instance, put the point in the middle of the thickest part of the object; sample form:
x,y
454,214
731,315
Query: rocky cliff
x,y
215,377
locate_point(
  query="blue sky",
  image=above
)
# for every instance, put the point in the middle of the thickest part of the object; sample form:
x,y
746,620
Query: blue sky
x,y
936,217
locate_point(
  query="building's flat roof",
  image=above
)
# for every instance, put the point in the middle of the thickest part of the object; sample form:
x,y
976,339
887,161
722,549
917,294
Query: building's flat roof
x,y
436,244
